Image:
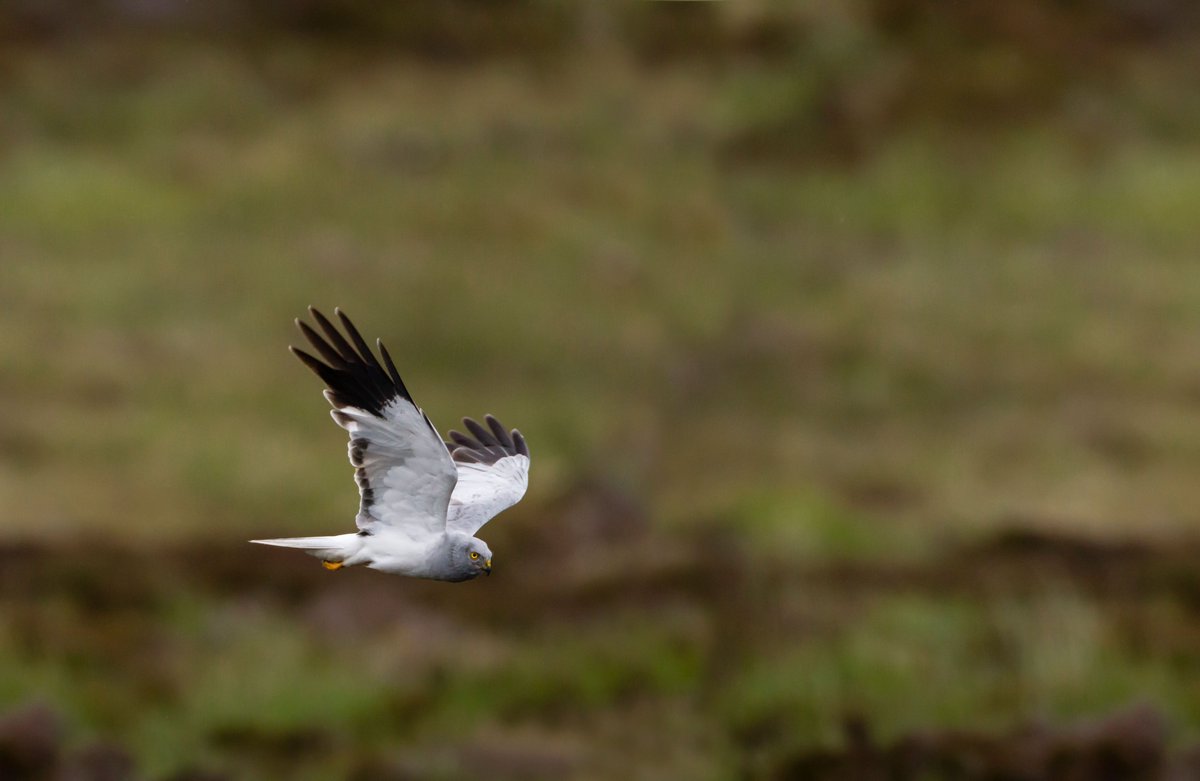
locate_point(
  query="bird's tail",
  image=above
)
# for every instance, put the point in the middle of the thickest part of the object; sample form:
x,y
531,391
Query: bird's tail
x,y
334,548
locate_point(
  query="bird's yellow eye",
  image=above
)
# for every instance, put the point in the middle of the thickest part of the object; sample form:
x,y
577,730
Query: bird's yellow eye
x,y
474,555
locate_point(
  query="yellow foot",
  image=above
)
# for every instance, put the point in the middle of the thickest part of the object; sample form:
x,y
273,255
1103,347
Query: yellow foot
x,y
331,565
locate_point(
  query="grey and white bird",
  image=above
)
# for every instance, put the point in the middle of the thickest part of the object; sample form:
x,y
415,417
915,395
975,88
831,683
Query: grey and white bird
x,y
421,499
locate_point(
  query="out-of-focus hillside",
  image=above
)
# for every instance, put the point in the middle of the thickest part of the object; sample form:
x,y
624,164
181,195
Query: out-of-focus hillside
x,y
856,346
791,264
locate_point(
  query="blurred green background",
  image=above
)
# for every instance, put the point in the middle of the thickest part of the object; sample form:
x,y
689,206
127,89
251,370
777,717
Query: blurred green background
x,y
857,346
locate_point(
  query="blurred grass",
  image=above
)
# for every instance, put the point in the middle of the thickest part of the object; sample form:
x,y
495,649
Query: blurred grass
x,y
958,335
682,280
313,683
902,664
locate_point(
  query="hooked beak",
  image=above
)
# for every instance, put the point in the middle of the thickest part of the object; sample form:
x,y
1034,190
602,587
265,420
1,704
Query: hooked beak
x,y
487,567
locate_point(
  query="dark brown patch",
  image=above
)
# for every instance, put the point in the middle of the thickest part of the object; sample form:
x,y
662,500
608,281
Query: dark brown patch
x,y
366,493
30,739
358,447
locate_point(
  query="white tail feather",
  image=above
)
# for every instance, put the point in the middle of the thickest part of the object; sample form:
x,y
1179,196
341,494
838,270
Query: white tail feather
x,y
332,548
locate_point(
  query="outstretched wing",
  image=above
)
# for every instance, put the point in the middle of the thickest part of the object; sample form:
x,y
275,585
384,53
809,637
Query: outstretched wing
x,y
493,472
404,473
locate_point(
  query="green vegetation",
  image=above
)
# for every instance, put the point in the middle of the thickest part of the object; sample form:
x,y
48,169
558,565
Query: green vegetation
x,y
975,337
687,285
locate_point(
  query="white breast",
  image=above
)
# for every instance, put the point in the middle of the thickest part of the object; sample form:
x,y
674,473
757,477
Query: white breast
x,y
399,554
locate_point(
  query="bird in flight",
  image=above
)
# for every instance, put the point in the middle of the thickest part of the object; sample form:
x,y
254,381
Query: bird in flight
x,y
421,499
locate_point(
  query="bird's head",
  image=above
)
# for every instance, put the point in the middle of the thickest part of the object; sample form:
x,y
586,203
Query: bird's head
x,y
474,558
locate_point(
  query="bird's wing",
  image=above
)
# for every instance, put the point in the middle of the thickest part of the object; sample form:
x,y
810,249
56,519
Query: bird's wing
x,y
404,472
493,472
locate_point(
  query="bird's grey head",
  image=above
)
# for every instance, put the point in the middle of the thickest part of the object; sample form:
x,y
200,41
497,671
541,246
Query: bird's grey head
x,y
470,557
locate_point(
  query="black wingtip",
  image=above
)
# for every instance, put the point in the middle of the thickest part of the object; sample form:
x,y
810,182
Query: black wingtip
x,y
485,445
480,433
498,431
350,369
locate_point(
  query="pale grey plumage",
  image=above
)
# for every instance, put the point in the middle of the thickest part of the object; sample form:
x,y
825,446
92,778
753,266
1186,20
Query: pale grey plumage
x,y
493,469
419,505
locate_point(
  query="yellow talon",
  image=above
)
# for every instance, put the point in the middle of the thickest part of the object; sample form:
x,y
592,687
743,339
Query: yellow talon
x,y
331,565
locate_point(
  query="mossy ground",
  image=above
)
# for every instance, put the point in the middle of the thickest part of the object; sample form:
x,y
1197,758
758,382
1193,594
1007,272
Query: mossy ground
x,y
799,371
